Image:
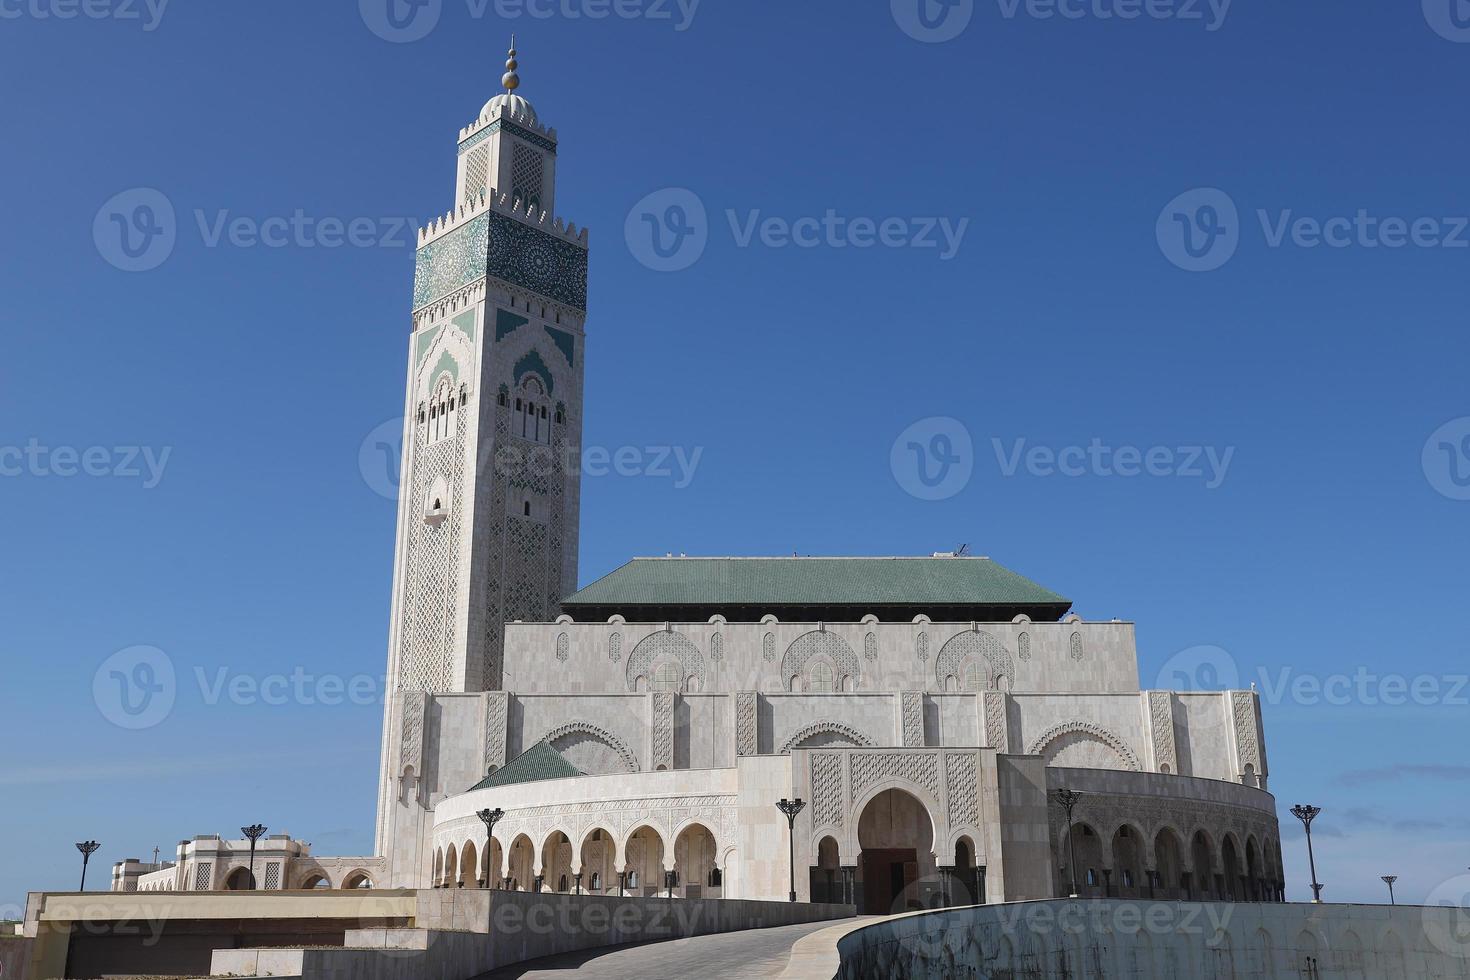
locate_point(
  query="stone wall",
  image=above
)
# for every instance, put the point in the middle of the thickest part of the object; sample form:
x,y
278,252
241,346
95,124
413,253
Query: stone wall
x,y
1098,938
598,658
462,934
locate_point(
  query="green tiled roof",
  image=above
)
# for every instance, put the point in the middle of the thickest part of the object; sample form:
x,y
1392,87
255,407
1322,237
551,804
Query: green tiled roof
x,y
813,581
539,762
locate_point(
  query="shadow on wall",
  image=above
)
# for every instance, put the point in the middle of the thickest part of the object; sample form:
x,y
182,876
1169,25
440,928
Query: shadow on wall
x,y
1055,939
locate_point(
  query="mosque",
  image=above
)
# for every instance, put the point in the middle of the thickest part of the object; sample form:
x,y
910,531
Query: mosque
x,y
954,734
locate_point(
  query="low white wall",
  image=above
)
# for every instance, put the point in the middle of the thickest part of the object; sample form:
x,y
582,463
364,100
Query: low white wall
x,y
1055,939
486,930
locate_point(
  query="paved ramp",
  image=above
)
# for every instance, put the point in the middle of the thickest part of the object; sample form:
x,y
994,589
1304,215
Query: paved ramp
x,y
725,956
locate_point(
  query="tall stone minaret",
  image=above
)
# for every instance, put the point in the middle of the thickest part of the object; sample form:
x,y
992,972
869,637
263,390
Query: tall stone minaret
x,y
489,495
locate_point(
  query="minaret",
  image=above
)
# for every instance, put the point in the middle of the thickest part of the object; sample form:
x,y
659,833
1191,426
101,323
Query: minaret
x,y
489,496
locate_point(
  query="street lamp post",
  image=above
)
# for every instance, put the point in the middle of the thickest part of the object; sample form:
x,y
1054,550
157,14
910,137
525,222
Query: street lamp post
x,y
791,808
86,847
1068,799
1389,880
255,832
1306,813
490,818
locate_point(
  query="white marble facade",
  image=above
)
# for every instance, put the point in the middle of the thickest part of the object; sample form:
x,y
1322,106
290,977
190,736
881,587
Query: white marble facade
x,y
932,739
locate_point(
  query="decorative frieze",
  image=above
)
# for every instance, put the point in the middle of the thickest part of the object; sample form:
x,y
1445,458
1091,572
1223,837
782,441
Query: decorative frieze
x,y
497,714
662,738
997,731
1161,727
747,721
828,801
918,768
911,708
960,781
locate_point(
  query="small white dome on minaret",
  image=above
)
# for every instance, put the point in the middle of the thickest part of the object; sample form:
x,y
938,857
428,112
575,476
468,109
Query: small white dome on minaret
x,y
514,104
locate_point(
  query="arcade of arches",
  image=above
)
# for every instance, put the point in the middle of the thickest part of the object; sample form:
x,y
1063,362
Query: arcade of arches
x,y
602,864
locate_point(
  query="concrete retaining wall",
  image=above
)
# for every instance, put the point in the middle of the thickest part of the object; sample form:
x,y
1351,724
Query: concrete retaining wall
x,y
15,952
466,932
1058,939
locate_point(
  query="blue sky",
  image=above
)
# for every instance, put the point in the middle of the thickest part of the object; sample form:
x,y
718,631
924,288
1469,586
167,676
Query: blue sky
x,y
232,523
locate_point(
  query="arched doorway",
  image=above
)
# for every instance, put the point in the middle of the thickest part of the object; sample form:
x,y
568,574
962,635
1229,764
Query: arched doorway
x,y
968,886
1202,868
645,862
599,876
1088,848
451,866
491,863
1256,888
239,881
556,863
896,866
469,866
1169,864
358,879
695,863
522,863
825,876
1230,869
1128,871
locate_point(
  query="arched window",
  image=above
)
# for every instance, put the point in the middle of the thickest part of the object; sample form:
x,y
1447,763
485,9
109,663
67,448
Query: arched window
x,y
532,419
667,677
822,678
974,678
443,411
597,881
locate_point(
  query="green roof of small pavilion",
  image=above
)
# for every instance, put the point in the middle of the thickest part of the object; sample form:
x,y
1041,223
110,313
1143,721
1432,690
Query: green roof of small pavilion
x,y
945,584
539,762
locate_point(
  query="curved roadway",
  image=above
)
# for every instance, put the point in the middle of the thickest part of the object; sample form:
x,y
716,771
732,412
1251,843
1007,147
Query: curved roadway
x,y
723,956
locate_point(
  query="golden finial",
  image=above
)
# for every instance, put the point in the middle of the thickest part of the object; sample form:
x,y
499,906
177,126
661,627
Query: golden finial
x,y
511,80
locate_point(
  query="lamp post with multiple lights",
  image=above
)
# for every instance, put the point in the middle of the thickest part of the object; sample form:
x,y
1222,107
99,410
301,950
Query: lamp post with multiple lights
x,y
1306,813
86,847
791,808
1389,880
490,818
1068,799
254,832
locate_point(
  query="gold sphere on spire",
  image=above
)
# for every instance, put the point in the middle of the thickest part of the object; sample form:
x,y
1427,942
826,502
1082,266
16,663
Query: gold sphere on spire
x,y
510,79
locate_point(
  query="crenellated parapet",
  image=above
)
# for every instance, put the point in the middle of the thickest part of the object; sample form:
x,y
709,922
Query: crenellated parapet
x,y
519,121
501,203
